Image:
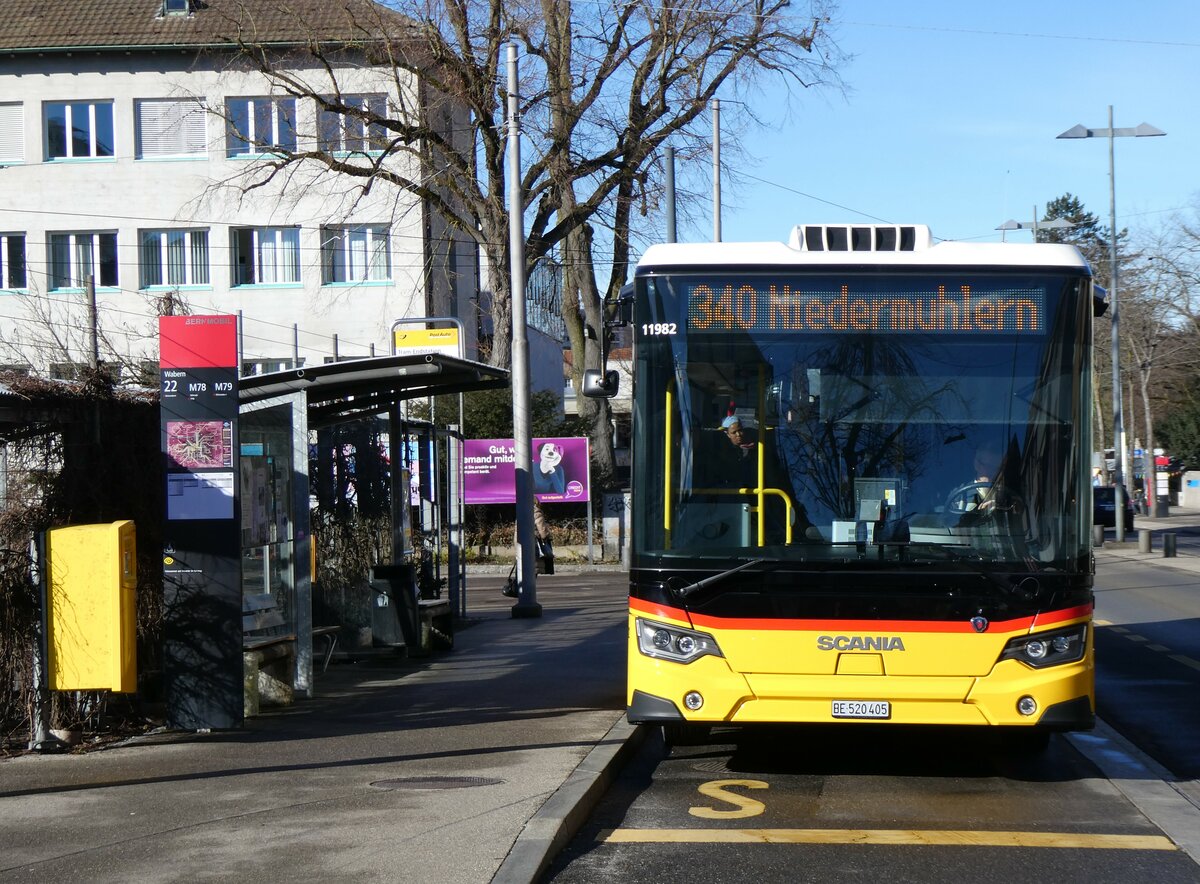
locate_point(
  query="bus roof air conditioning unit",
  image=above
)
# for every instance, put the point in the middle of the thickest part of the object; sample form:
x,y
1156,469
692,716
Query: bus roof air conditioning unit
x,y
860,237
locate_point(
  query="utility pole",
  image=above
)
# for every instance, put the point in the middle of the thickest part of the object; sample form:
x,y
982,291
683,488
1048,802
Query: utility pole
x,y
670,164
527,605
93,325
716,157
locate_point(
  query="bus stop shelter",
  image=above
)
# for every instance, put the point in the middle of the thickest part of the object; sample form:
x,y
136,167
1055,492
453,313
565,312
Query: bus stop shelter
x,y
276,413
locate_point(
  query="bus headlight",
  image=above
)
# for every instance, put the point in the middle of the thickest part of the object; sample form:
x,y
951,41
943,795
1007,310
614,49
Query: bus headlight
x,y
1048,648
674,642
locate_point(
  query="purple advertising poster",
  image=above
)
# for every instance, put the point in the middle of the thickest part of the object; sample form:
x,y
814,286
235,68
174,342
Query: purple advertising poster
x,y
561,470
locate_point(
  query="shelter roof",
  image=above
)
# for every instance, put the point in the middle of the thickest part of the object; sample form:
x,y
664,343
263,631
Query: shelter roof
x,y
357,388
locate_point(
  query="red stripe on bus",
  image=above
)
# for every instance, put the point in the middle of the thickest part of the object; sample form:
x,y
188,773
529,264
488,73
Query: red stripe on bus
x,y
1046,618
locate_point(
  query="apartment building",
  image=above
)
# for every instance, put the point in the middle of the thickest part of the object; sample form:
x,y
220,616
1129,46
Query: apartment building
x,y
136,154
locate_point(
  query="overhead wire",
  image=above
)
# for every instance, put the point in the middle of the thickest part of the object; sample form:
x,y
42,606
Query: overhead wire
x,y
60,298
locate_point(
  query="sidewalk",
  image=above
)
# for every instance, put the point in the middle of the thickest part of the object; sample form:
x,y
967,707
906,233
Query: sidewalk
x,y
1182,522
462,767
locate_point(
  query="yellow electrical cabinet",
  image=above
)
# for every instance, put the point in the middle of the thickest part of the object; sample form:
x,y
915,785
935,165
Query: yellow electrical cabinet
x,y
92,607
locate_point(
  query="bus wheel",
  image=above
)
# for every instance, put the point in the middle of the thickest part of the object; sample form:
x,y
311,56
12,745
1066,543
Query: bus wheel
x,y
1026,741
685,734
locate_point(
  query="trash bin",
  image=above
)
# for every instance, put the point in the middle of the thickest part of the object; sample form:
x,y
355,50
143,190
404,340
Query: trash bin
x,y
395,620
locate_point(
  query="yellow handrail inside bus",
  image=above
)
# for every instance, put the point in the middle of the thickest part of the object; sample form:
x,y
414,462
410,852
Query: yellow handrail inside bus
x,y
667,449
787,516
760,493
762,457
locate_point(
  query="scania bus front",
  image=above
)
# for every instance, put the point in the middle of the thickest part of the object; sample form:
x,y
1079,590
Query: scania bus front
x,y
861,483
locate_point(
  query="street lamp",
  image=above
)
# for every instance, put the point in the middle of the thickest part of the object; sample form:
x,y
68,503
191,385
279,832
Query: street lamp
x,y
1035,225
1119,453
527,605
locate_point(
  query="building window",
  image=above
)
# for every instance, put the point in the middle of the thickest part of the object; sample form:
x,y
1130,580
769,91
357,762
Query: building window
x,y
266,366
177,7
355,254
12,261
170,128
78,129
173,257
266,255
12,133
76,256
260,125
349,133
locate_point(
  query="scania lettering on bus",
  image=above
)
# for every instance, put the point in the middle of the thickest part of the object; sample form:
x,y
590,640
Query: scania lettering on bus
x,y
860,643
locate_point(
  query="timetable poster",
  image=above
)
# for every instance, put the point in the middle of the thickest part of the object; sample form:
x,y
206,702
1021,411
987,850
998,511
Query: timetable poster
x,y
198,396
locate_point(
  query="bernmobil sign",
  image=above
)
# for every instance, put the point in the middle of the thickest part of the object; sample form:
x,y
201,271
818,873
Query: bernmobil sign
x,y
561,470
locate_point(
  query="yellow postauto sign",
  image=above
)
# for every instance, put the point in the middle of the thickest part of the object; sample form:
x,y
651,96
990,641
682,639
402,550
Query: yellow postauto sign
x,y
410,341
781,307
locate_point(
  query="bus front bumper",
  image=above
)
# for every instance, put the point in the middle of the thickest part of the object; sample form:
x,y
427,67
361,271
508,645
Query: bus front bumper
x,y
1063,696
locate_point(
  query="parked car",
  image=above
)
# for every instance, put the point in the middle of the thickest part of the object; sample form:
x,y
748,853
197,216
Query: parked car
x,y
1104,507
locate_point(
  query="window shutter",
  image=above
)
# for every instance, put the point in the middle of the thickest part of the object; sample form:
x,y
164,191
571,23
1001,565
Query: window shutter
x,y
170,128
12,133
192,128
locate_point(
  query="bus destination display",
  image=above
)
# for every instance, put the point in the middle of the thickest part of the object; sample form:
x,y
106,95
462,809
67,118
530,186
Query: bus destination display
x,y
961,309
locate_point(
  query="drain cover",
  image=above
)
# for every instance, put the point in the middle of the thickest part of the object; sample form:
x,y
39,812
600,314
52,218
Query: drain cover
x,y
433,783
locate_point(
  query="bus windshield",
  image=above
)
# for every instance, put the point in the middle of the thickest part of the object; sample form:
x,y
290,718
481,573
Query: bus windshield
x,y
855,418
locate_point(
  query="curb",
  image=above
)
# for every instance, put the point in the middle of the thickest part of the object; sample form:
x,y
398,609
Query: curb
x,y
1172,806
564,813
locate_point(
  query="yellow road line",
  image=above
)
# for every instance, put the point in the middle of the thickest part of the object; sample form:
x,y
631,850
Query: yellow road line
x,y
893,837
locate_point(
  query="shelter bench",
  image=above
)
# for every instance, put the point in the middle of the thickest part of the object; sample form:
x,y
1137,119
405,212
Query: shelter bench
x,y
436,625
268,654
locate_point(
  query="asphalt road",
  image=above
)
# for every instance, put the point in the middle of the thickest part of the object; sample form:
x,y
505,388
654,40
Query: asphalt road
x,y
828,804
930,805
1148,659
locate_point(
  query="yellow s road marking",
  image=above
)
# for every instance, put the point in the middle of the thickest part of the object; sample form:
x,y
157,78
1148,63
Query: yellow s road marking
x,y
718,790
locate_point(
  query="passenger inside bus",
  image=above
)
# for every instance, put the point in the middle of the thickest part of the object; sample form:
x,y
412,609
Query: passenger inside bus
x,y
739,460
742,438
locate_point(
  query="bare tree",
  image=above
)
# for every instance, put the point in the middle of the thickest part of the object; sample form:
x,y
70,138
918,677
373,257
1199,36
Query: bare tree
x,y
604,86
1093,240
1159,324
56,329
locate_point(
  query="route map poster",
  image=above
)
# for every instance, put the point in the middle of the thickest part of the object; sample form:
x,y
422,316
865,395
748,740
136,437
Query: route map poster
x,y
202,578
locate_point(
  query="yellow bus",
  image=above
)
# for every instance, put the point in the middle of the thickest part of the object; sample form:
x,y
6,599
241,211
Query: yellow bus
x,y
861,483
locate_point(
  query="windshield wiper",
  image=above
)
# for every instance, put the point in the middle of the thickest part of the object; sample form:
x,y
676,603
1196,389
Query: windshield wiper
x,y
691,588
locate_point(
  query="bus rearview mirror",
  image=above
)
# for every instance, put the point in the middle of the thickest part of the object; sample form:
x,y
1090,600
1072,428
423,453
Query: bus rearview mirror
x,y
601,384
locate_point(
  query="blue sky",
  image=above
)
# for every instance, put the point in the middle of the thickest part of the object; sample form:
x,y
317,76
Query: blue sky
x,y
951,116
